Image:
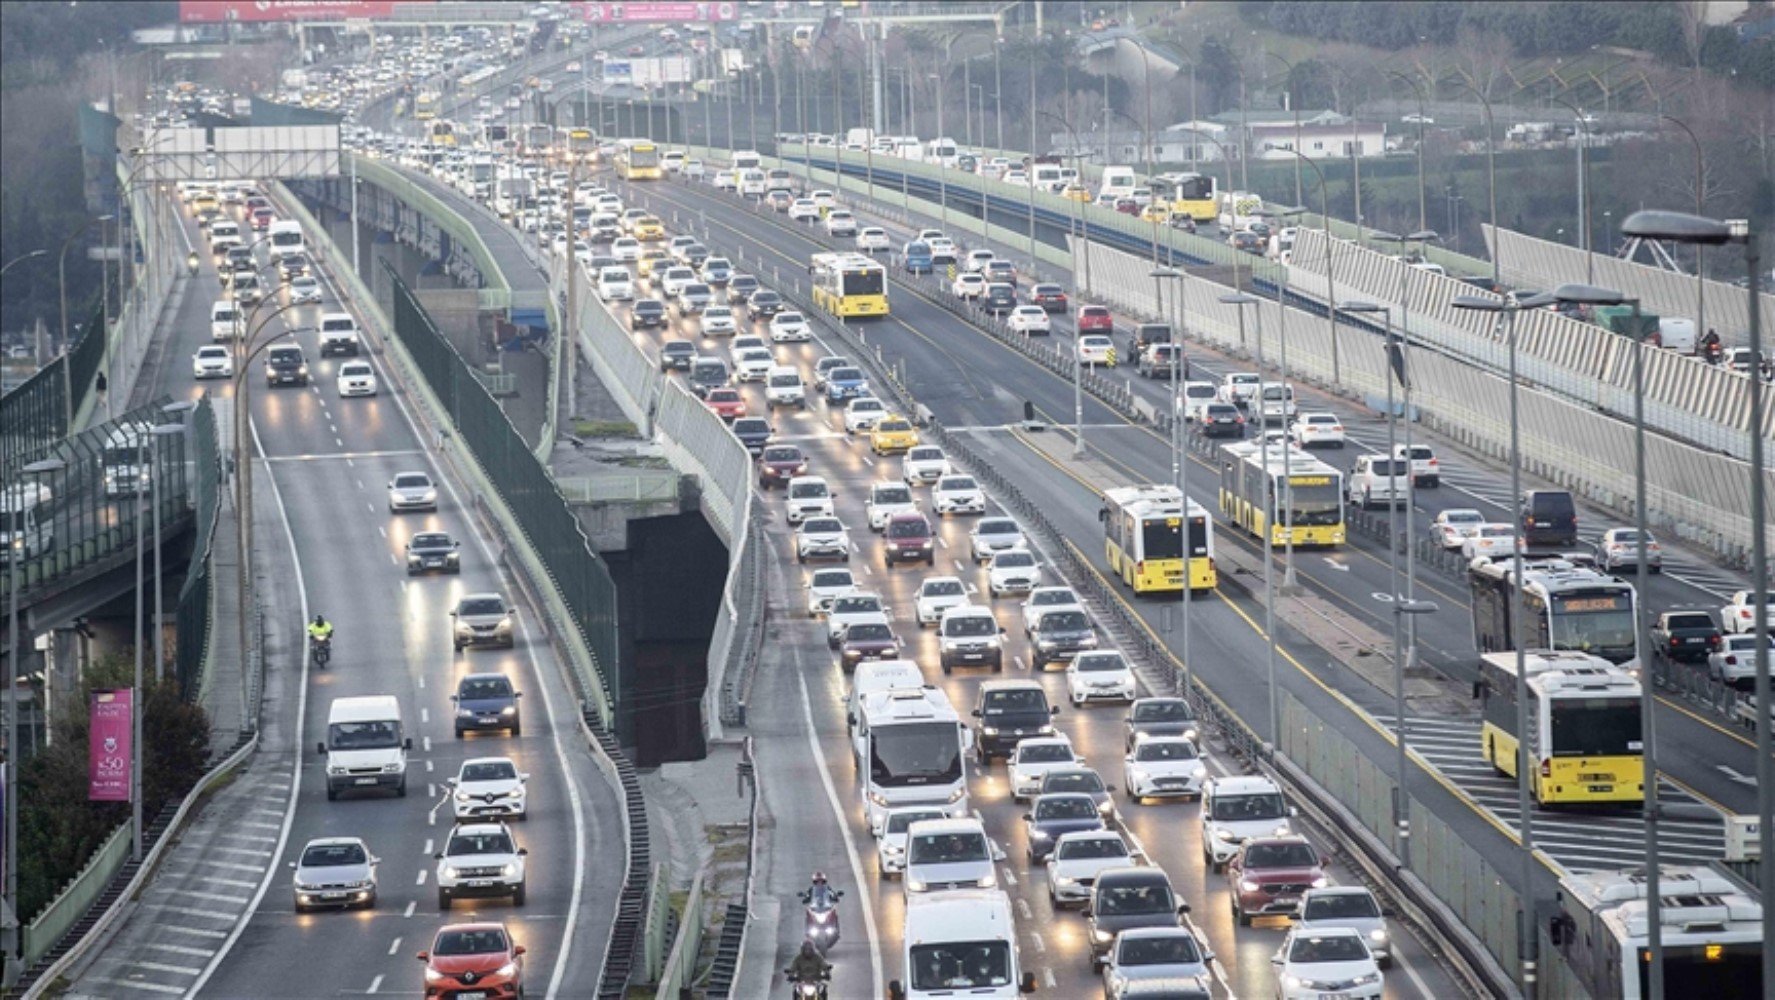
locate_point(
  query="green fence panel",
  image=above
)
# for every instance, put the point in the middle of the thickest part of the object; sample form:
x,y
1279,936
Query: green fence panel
x,y
48,926
578,573
84,361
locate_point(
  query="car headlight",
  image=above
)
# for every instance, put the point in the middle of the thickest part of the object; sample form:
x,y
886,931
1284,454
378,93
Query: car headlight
x,y
1040,835
433,976
1368,979
464,797
914,885
302,370
1321,882
989,730
893,850
1065,880
959,794
452,872
1225,837
1282,829
879,799
1189,734
1377,936
1199,772
509,710
1045,730
335,769
509,870
1101,937
392,768
464,713
1046,644
1294,982
1246,885
507,970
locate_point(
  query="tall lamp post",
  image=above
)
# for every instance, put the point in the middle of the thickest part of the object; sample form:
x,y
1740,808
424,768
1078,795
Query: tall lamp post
x,y
1078,369
1700,204
1491,183
1241,300
1180,461
1697,230
1527,939
1584,240
9,711
1294,105
1417,88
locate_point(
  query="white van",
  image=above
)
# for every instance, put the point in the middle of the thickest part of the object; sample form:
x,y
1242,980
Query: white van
x,y
745,160
1237,808
1677,333
1117,182
223,234
879,675
672,161
616,284
1046,177
285,236
752,183
783,387
961,942
20,528
1276,403
224,320
366,746
338,334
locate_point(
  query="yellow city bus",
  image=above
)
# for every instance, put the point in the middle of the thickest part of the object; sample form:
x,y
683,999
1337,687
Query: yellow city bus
x,y
1193,195
1251,495
849,284
443,133
582,145
1143,529
1586,745
637,160
425,106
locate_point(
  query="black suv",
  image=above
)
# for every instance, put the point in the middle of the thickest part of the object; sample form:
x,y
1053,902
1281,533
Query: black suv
x,y
1009,712
1058,636
1549,518
999,298
739,287
676,354
646,313
1222,420
284,365
753,432
487,701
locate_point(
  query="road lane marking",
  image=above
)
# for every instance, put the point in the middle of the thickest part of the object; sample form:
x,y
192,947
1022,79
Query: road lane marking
x,y
411,906
844,830
376,984
180,949
394,946
193,931
421,879
138,985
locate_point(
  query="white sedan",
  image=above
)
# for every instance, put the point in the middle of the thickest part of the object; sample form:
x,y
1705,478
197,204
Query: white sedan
x,y
863,414
357,378
968,286
489,787
923,465
840,223
1317,429
826,585
955,494
1493,541
936,595
1097,349
994,534
872,239
212,361
1740,614
1036,757
1312,956
626,249
304,288
1454,526
1045,599
1101,675
1163,767
753,364
1029,321
1078,858
790,327
822,538
716,319
803,210
1013,572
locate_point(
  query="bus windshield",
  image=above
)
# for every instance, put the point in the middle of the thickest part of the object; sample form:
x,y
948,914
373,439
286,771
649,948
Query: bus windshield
x,y
921,753
1596,727
864,282
1313,504
1600,625
644,156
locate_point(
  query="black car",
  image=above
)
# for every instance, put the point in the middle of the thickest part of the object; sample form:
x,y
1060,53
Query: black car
x,y
646,313
1000,298
763,303
753,432
1126,898
1222,420
431,550
1549,518
1159,717
487,701
1058,636
292,265
284,365
1006,713
740,287
676,355
1059,813
1080,780
694,254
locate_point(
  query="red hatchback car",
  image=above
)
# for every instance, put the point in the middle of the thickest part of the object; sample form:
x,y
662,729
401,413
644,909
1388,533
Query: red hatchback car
x,y
1269,876
262,219
1096,319
728,404
780,463
473,960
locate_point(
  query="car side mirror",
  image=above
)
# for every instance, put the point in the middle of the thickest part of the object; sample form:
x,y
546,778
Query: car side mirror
x,y
1001,630
1182,908
895,990
1324,860
407,744
519,950
1053,709
1389,912
1276,959
449,782
438,856
452,614
517,694
456,545
1027,985
976,714
1029,817
523,852
1293,811
320,748
453,697
292,864
1109,788
424,956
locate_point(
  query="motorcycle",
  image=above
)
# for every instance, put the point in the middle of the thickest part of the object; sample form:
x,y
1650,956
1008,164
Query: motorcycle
x,y
822,919
802,988
320,650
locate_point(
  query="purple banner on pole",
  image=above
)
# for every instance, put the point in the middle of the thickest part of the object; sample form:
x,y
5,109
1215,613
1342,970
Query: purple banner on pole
x,y
109,747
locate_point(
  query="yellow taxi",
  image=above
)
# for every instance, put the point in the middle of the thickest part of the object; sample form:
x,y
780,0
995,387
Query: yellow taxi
x,y
892,434
1076,192
648,229
1155,212
650,259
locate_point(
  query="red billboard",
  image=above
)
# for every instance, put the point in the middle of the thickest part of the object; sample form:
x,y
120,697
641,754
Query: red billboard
x,y
287,10
110,726
662,11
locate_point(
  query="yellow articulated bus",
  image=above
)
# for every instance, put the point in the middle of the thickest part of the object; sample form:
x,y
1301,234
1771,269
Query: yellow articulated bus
x,y
1583,715
849,284
1194,195
425,106
1296,497
637,160
1143,528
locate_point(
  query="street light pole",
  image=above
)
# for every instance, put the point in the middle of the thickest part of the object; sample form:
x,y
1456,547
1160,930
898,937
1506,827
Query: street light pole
x,y
1423,221
1268,545
1294,105
1700,199
1583,233
942,161
1491,187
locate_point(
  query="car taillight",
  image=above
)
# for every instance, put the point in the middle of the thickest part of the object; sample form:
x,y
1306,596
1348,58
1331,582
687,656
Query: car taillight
x,y
1433,463
1731,661
1546,769
1674,641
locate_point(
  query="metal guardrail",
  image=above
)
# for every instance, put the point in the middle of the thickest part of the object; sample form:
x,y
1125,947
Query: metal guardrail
x,y
69,905
680,964
656,927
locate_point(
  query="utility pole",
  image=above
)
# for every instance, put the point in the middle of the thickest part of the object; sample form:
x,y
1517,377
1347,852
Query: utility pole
x,y
570,322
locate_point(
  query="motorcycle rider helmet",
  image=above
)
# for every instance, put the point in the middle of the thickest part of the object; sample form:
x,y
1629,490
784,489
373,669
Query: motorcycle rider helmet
x,y
819,878
319,619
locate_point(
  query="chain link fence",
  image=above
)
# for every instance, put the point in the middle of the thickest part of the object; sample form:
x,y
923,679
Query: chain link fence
x,y
40,411
576,571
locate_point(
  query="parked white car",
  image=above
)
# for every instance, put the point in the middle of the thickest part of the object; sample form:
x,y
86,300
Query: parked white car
x,y
1099,675
1163,767
936,595
1035,757
1029,320
790,327
955,494
1452,527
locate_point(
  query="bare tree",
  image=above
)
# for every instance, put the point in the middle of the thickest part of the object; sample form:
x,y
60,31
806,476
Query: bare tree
x,y
1484,58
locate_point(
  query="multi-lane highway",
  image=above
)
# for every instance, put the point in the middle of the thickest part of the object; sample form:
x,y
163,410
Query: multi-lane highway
x,y
325,464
